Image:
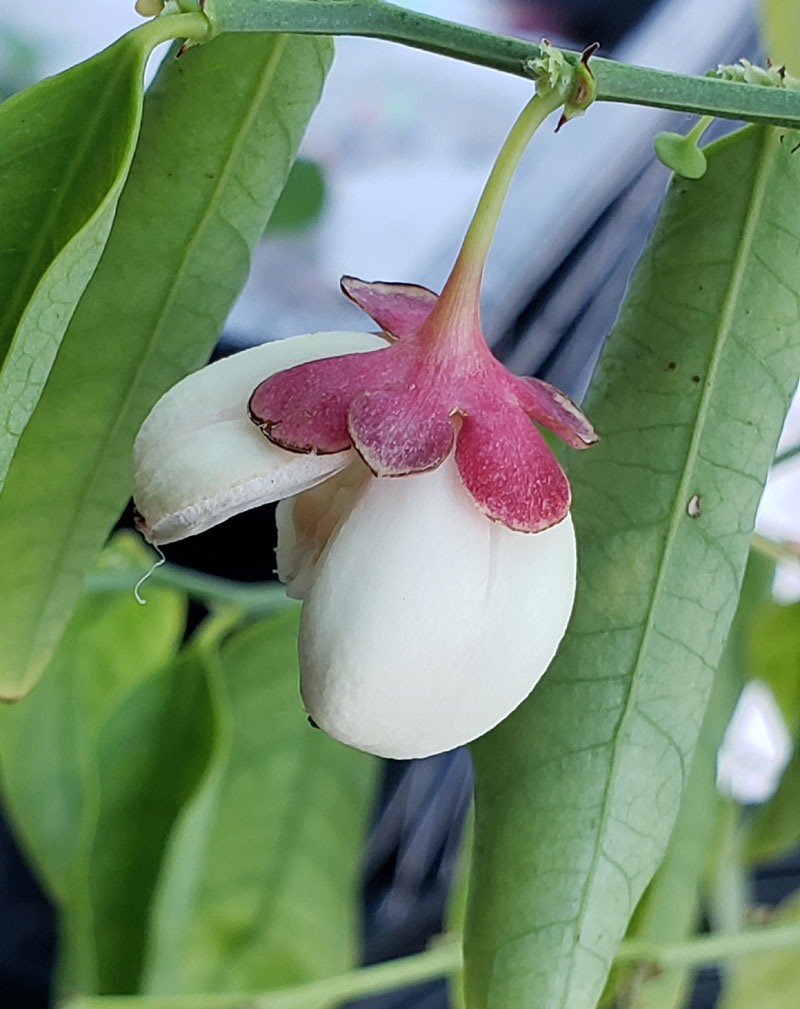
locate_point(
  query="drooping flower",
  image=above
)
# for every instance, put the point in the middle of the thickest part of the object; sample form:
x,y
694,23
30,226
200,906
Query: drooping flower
x,y
423,520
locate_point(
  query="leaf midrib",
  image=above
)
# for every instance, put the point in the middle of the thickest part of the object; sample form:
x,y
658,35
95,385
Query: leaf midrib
x,y
726,315
266,80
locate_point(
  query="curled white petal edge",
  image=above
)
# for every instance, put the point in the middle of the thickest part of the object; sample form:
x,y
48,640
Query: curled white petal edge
x,y
198,460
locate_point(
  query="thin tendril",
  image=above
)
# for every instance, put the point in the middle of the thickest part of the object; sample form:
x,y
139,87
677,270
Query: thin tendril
x,y
156,564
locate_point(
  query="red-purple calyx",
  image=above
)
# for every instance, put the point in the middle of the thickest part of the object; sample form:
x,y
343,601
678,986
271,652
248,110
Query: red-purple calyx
x,y
435,386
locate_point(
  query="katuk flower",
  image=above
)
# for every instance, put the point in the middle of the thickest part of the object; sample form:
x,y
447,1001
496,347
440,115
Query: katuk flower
x,y
423,520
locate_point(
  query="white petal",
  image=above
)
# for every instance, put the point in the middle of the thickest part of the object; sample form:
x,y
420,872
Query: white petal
x,y
305,524
198,459
426,623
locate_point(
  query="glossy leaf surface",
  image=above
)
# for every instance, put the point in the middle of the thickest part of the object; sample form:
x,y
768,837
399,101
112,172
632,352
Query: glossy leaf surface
x,y
219,132
82,775
66,144
259,887
578,791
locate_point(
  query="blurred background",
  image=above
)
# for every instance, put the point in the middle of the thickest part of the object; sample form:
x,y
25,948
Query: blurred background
x,y
391,168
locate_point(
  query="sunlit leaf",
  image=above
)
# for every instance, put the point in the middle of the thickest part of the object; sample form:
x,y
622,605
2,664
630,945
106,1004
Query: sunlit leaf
x,y
220,129
259,888
578,791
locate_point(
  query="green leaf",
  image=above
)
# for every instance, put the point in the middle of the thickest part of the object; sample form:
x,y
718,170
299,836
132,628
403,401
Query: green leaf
x,y
774,656
669,909
220,129
70,758
689,400
67,144
151,754
767,980
259,886
302,199
780,25
774,828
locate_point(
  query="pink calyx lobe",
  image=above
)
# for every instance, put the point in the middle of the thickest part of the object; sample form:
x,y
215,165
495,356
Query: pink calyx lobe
x,y
437,383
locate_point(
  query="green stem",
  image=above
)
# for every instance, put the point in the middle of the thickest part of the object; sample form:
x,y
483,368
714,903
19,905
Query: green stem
x,y
440,960
254,597
445,959
708,949
457,311
616,82
175,26
729,883
480,232
696,132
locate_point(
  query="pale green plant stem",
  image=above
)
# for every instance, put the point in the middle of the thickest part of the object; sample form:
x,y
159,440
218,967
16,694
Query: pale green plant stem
x,y
729,889
442,959
461,293
175,26
480,232
252,597
709,949
696,132
445,959
616,82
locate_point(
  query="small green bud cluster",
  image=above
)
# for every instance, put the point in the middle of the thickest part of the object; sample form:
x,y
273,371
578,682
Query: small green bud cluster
x,y
550,69
745,72
574,82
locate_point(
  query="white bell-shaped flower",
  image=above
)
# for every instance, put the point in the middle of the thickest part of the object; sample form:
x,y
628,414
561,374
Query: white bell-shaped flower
x,y
436,564
198,460
424,624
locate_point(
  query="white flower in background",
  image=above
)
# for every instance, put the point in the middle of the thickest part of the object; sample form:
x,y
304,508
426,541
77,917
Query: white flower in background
x,y
756,747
